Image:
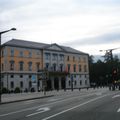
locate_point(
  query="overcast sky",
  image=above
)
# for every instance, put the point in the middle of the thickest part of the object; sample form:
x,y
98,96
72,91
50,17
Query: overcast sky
x,y
86,25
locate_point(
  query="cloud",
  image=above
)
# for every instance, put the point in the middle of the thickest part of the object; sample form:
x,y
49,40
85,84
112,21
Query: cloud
x,y
107,38
69,22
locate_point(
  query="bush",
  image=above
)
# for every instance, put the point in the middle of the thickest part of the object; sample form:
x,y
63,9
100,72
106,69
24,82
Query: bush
x,y
5,90
17,90
32,90
26,90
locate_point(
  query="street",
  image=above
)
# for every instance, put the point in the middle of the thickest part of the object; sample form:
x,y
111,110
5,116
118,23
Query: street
x,y
98,104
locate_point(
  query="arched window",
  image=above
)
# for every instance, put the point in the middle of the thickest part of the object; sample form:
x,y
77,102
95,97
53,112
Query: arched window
x,y
80,82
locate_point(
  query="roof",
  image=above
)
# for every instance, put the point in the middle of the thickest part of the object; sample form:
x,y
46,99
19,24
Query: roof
x,y
72,50
37,45
23,43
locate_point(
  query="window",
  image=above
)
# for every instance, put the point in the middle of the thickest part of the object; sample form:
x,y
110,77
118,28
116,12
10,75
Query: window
x,y
2,67
54,56
30,54
80,82
68,58
73,58
85,82
11,76
11,65
38,52
54,67
61,57
79,59
37,66
2,53
21,66
61,67
12,84
47,56
47,66
84,59
74,68
21,76
30,66
12,52
21,84
30,84
21,54
80,68
68,67
85,68
30,76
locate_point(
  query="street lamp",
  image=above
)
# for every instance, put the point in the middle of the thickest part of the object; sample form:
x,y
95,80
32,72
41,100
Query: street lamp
x,y
12,29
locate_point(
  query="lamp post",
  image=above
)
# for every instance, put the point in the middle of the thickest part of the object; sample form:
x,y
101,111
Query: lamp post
x,y
12,29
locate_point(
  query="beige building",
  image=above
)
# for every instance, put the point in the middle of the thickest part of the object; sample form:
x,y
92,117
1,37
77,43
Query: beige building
x,y
30,65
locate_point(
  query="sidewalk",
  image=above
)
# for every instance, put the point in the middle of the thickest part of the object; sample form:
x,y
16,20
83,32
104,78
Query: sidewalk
x,y
10,98
16,97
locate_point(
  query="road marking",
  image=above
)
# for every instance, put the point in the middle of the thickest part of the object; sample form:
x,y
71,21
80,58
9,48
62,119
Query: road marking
x,y
118,110
115,96
29,102
32,108
64,111
52,100
41,110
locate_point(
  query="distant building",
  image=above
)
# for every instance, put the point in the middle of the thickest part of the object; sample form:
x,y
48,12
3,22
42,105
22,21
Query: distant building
x,y
30,65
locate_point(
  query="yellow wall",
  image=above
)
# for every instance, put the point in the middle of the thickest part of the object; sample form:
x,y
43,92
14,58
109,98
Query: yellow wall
x,y
83,61
34,59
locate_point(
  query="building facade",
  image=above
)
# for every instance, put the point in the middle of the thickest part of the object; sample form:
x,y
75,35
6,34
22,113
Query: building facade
x,y
35,66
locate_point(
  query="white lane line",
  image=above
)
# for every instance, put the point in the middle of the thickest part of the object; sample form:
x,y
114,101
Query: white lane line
x,y
118,110
115,96
40,110
29,102
32,108
73,107
52,100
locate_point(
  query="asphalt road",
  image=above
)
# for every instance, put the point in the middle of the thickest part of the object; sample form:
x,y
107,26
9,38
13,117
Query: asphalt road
x,y
90,105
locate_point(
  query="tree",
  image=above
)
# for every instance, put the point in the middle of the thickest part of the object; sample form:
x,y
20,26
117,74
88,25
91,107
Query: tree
x,y
101,72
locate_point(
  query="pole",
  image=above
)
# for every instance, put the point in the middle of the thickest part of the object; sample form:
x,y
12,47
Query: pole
x,y
71,82
0,61
0,71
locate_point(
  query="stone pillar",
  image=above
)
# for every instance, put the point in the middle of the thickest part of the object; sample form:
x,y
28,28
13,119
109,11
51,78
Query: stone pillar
x,y
52,82
59,84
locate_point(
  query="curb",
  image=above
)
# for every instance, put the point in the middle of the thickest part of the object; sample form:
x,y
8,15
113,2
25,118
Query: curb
x,y
26,99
